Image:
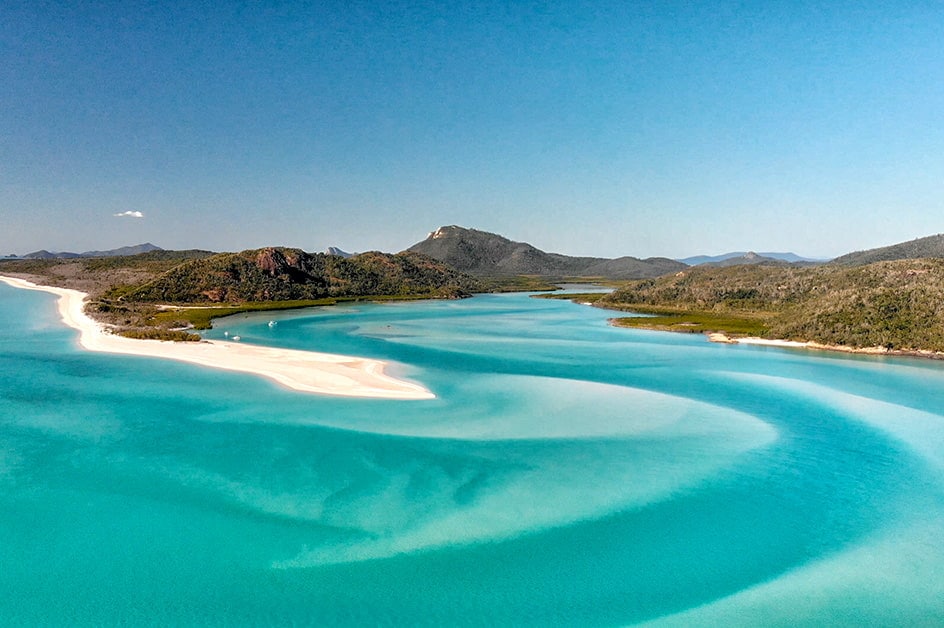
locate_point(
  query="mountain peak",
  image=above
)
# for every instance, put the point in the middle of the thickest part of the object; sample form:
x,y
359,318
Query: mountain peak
x,y
443,232
489,254
455,231
333,250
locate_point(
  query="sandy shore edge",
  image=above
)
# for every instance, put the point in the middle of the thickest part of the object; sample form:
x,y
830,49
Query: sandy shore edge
x,y
305,371
818,346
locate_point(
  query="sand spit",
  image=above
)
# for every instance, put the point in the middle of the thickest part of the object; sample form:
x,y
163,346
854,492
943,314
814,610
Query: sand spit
x,y
794,344
305,371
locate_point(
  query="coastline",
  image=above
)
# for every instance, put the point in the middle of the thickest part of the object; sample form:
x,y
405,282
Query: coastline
x,y
304,371
723,338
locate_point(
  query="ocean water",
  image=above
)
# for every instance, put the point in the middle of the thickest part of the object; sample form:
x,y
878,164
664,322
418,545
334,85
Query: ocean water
x,y
568,473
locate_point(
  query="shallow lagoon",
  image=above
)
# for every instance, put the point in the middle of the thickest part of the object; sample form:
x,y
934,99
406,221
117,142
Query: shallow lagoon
x,y
567,473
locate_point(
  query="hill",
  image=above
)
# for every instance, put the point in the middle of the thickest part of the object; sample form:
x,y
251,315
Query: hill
x,y
748,258
487,254
897,304
96,275
283,274
129,293
697,260
147,247
44,254
928,247
631,268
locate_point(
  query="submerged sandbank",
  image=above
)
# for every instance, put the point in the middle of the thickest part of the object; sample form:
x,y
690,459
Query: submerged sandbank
x,y
305,371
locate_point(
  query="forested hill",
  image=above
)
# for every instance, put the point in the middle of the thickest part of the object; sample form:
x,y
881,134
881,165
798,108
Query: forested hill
x,y
897,304
490,255
284,274
931,246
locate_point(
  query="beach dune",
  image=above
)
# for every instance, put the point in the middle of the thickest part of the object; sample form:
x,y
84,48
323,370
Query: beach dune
x,y
305,371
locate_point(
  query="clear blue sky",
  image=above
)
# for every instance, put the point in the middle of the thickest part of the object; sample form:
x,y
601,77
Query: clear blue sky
x,y
624,128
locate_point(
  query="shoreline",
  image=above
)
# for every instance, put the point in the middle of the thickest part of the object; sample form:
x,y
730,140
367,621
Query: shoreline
x,y
723,338
303,371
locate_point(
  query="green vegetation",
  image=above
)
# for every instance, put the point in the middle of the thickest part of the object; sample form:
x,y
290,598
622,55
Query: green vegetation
x,y
136,294
489,255
692,322
931,246
157,261
668,318
202,317
518,283
153,261
280,274
576,297
101,277
894,304
149,333
28,266
897,305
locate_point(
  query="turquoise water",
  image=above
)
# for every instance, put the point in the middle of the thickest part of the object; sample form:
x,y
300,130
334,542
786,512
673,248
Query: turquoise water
x,y
568,473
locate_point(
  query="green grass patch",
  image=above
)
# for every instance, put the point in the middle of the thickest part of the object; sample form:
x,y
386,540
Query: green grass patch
x,y
692,322
202,317
541,283
154,333
576,297
518,283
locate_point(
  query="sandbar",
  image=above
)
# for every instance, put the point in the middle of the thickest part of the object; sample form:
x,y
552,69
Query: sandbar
x,y
818,346
764,342
305,371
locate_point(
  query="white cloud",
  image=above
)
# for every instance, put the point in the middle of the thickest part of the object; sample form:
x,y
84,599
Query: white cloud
x,y
130,214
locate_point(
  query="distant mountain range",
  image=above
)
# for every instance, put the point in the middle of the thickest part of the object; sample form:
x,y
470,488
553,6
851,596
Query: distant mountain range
x,y
745,257
929,247
147,247
487,254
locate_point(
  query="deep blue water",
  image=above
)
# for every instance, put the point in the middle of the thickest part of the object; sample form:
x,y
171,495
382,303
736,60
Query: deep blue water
x,y
568,473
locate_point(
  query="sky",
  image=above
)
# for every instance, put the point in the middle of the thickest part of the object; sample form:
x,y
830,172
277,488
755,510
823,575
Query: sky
x,y
586,128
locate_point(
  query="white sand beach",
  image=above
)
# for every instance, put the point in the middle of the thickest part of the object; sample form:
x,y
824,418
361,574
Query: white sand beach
x,y
818,346
723,338
765,342
305,371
